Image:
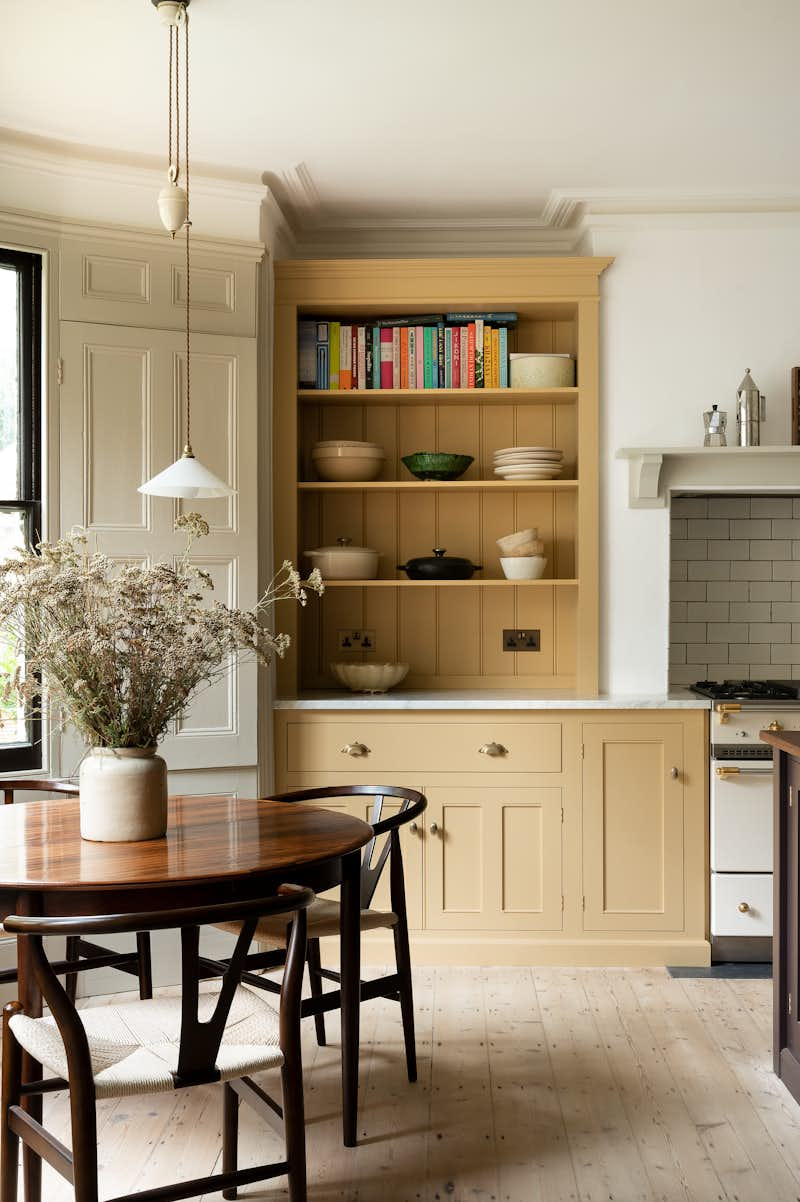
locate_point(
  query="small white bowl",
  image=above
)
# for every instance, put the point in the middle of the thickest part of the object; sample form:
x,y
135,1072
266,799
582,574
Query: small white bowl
x,y
523,567
369,678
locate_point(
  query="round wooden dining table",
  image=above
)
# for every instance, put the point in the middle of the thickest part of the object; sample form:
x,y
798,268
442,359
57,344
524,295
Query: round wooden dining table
x,y
216,849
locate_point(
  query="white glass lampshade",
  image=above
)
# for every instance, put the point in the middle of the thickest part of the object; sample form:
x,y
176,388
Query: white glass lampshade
x,y
188,479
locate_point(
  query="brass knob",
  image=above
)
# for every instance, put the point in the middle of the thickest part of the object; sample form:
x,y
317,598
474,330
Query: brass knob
x,y
673,772
434,828
775,725
493,749
355,749
743,907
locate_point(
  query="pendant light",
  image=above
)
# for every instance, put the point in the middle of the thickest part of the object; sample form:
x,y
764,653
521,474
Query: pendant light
x,y
186,478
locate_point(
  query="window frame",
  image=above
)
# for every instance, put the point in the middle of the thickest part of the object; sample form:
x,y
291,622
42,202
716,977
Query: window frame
x,y
27,756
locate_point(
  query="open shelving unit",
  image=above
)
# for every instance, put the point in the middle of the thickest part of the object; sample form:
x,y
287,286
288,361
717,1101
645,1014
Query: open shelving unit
x,y
449,632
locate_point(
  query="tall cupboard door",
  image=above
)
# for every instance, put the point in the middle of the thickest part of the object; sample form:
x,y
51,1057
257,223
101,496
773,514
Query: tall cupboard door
x,y
633,822
493,859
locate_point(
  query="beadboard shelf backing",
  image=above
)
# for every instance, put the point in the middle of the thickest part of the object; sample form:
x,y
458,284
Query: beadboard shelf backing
x,y
450,632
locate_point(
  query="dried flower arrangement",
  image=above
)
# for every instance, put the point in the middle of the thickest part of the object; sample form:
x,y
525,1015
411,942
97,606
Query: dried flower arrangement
x,y
120,650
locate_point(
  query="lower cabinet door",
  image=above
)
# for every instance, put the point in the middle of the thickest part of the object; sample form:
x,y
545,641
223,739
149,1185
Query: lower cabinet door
x,y
633,818
493,859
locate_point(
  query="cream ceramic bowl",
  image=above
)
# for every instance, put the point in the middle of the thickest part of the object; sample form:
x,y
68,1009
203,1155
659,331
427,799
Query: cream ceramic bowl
x,y
541,371
510,542
523,567
369,678
344,561
356,462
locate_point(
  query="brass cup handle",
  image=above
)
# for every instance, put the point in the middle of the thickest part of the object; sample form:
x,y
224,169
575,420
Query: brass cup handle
x,y
493,749
743,908
355,749
434,828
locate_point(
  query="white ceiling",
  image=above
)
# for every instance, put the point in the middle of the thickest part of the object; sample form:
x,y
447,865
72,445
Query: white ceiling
x,y
431,108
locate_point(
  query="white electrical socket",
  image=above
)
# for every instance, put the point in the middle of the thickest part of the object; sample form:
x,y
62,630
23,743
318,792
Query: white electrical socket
x,y
355,640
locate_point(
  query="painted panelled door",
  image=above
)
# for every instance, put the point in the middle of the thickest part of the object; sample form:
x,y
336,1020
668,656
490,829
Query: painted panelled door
x,y
122,421
633,816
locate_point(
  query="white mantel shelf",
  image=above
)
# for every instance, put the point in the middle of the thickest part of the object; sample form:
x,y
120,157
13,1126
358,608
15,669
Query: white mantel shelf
x,y
654,472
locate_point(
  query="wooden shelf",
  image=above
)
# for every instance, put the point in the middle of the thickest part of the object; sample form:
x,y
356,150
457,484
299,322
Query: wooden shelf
x,y
438,486
502,583
439,396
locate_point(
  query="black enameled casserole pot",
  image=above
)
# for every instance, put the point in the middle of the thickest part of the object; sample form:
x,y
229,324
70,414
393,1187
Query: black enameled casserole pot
x,y
439,566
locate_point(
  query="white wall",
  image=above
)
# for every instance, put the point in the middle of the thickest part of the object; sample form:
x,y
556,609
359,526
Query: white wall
x,y
688,304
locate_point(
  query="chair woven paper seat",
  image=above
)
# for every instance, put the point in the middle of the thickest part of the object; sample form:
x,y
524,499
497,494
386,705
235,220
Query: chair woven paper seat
x,y
324,917
134,1045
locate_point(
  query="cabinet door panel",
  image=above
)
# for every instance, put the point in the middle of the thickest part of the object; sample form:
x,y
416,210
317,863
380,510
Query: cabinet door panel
x,y
633,827
494,862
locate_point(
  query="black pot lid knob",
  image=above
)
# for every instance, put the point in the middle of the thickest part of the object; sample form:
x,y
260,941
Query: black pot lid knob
x,y
439,552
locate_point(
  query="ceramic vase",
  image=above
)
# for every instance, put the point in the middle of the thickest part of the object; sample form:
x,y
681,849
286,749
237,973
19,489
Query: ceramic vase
x,y
123,795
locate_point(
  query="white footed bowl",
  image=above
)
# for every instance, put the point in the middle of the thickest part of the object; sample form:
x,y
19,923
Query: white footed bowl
x,y
369,678
523,567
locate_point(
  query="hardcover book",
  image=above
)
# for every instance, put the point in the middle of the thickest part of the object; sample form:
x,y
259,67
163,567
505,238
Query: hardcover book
x,y
479,349
322,371
495,358
487,357
333,353
361,342
396,357
464,340
420,340
471,343
386,357
414,319
345,357
503,353
412,356
404,356
448,358
456,358
306,354
376,357
496,319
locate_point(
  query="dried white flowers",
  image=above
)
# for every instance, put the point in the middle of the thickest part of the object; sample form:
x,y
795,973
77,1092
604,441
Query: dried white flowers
x,y
121,648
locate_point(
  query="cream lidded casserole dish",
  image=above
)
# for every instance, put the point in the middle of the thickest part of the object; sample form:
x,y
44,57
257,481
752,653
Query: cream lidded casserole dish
x,y
344,561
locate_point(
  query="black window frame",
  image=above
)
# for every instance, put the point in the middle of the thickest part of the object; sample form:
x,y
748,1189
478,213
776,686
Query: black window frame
x,y
27,756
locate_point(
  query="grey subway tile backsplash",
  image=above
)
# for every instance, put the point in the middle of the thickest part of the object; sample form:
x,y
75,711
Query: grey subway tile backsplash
x,y
735,588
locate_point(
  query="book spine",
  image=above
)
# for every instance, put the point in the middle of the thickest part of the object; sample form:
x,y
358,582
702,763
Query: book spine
x,y
495,358
386,357
448,358
412,356
354,356
496,319
414,319
471,352
345,358
306,354
334,339
487,357
368,357
464,350
404,356
376,357
420,356
321,355
361,343
502,353
396,357
456,358
428,360
479,353
440,355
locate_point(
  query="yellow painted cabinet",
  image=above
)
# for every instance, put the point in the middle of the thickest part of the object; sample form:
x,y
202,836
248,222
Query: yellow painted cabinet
x,y
493,859
633,826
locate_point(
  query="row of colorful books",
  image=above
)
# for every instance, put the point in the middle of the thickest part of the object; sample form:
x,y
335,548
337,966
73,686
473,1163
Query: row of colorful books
x,y
452,350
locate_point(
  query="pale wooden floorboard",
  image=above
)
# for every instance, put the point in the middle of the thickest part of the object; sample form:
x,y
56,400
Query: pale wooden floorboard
x,y
535,1085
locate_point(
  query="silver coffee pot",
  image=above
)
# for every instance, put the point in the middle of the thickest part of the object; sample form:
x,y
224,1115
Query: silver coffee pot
x,y
750,412
715,421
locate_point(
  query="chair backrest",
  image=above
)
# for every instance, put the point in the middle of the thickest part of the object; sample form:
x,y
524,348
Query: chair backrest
x,y
412,804
36,784
199,1041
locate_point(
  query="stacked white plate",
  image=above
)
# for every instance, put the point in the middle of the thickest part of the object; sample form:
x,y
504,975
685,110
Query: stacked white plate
x,y
528,463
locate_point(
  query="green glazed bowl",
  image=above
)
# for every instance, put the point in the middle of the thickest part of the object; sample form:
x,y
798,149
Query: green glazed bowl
x,y
437,465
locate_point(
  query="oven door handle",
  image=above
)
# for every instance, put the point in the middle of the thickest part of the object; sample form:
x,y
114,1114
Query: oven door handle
x,y
734,770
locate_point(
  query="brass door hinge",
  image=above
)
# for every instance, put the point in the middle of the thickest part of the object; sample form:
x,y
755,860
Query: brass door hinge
x,y
791,796
583,750
562,903
789,1005
583,903
59,371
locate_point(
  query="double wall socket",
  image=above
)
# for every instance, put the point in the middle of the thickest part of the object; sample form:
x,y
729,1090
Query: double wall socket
x,y
355,640
521,640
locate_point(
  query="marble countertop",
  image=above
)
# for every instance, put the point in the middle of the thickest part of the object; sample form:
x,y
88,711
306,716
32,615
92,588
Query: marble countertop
x,y
493,699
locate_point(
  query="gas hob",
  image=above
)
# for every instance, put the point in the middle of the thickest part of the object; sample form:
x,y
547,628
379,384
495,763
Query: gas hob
x,y
749,690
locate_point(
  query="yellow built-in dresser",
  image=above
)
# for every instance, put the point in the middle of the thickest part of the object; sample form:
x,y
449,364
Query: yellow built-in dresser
x,y
584,841
552,836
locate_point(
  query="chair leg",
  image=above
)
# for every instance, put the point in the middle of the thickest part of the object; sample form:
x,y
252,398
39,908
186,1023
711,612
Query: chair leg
x,y
71,980
145,965
83,1120
403,959
12,1082
315,980
294,1124
230,1135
